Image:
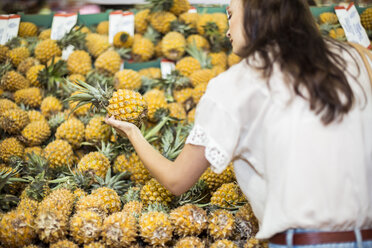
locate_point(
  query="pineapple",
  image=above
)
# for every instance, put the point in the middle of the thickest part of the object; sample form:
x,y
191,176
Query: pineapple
x,y
95,245
202,21
153,192
155,227
85,226
3,53
13,120
202,76
27,29
366,19
224,243
18,54
124,105
35,115
200,42
119,230
132,163
50,106
127,79
96,44
103,28
183,96
34,149
221,21
219,59
214,180
246,222
97,130
233,59
141,20
328,18
173,45
143,48
189,242
76,77
36,133
28,205
188,220
108,62
94,162
79,62
255,243
45,34
33,75
151,72
53,214
27,64
161,21
177,111
46,50
16,229
180,6
133,204
31,97
189,19
191,116
187,65
65,243
102,200
13,81
157,104
72,131
80,111
198,92
59,154
221,224
123,39
228,195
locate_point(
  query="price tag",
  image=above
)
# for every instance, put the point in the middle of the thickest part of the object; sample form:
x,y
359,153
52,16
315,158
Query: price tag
x,y
120,21
166,67
350,21
67,52
192,10
62,24
9,25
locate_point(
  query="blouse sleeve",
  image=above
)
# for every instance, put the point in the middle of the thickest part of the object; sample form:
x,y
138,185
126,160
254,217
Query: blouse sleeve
x,y
217,130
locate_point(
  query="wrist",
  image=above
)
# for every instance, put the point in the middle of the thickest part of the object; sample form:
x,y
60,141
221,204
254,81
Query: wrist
x,y
133,132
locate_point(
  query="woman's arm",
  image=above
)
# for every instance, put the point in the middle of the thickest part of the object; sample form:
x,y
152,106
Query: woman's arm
x,y
177,176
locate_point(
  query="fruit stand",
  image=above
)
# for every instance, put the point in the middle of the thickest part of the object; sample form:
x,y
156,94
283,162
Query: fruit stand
x,y
67,179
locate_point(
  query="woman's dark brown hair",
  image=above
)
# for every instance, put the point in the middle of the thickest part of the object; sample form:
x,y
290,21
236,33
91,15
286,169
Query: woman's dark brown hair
x,y
303,54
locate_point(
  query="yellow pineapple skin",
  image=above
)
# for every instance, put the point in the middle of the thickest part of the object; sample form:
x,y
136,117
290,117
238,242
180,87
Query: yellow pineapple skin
x,y
45,34
123,40
72,131
127,79
173,45
176,110
189,18
127,105
33,73
155,228
97,130
119,230
227,195
214,180
328,18
35,115
188,220
103,28
6,104
202,76
79,62
50,106
28,205
255,243
13,121
179,6
83,110
156,101
31,97
27,64
46,50
143,49
33,149
133,164
199,41
221,224
202,20
18,54
3,53
133,208
366,18
13,81
189,242
141,20
221,20
94,162
151,72
246,222
191,116
153,192
108,62
198,92
219,59
63,244
36,133
85,227
16,229
183,95
187,65
161,21
233,59
96,44
59,154
27,29
224,243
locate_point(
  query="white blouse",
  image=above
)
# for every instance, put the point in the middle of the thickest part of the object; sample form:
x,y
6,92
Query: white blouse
x,y
295,171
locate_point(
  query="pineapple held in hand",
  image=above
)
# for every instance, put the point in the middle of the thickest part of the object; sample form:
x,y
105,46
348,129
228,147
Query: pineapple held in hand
x,y
123,104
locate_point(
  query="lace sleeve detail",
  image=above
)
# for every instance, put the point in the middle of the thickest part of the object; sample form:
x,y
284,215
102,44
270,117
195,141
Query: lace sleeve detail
x,y
213,153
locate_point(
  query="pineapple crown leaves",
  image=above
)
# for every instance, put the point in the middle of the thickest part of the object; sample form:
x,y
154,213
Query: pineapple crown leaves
x,y
8,176
95,76
125,53
52,76
156,207
195,195
182,28
160,5
119,182
173,141
200,55
152,34
133,194
152,134
74,38
172,81
4,68
108,149
16,42
38,186
36,165
77,179
326,27
217,40
88,94
56,120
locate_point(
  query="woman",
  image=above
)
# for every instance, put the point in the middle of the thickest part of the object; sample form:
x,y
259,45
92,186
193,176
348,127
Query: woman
x,y
295,117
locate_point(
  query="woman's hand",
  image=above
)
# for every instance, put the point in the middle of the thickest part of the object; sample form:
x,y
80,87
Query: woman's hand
x,y
122,127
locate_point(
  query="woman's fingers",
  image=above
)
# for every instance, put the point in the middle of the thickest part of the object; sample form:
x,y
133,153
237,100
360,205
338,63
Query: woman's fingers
x,y
112,122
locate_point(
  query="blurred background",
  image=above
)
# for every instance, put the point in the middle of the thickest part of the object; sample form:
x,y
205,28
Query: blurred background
x,y
95,6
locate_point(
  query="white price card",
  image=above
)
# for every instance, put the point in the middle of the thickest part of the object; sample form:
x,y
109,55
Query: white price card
x,y
192,10
120,21
67,52
350,21
166,67
9,25
62,24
